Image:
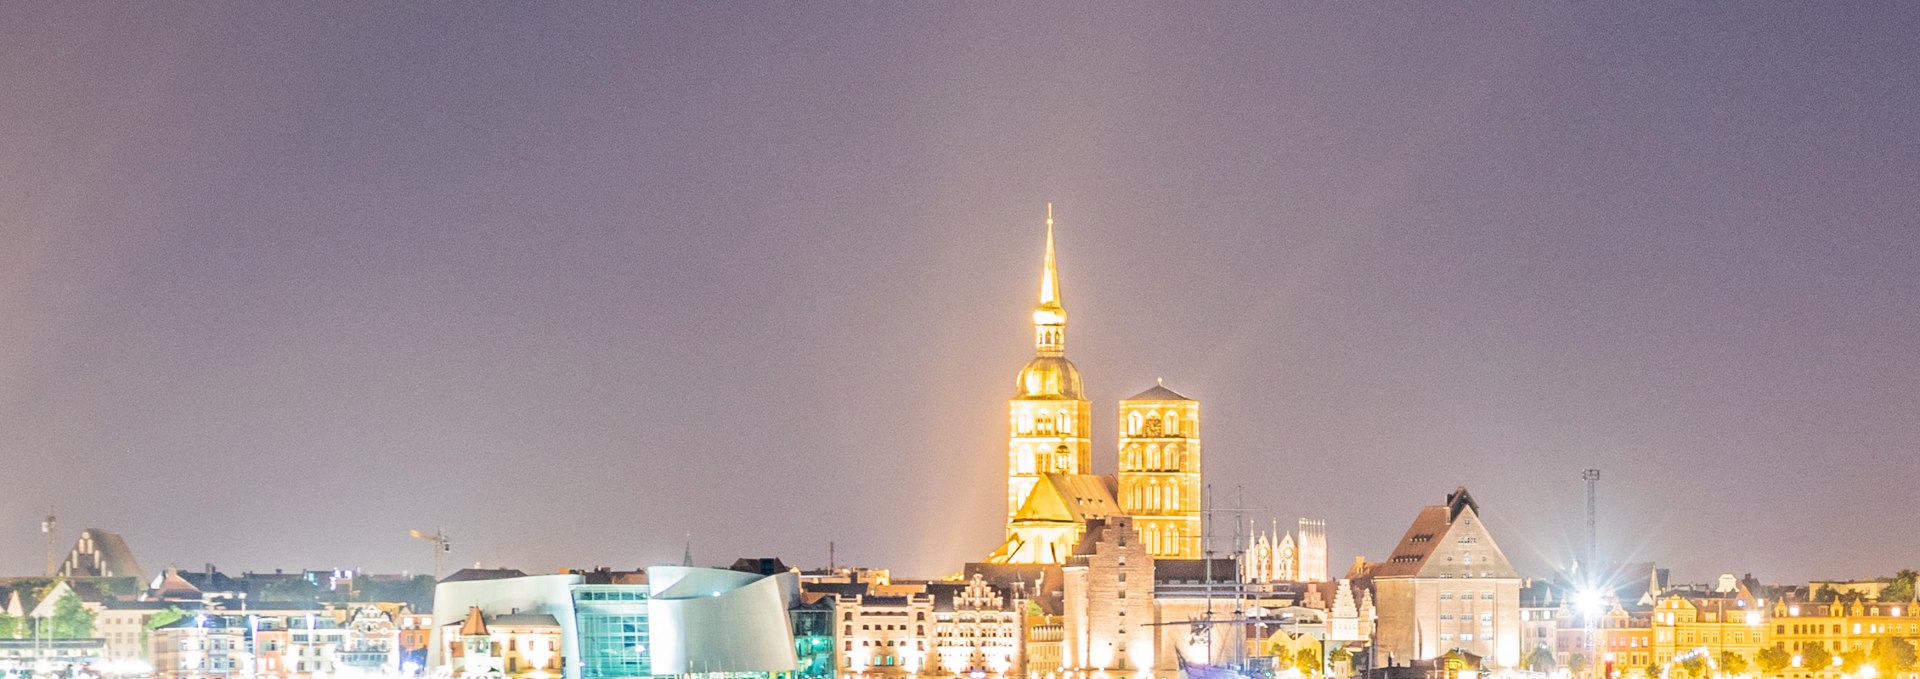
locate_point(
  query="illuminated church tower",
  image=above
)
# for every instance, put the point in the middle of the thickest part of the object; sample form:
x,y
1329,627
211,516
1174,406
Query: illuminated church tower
x,y
1050,493
1047,418
1160,470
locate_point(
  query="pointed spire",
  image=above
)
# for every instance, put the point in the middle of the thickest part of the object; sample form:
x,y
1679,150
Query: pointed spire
x,y
686,558
1049,275
1050,316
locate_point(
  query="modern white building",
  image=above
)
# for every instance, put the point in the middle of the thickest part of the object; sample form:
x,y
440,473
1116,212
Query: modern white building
x,y
682,620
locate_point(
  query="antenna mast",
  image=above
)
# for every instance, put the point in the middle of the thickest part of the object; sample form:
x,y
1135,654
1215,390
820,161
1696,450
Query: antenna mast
x,y
1592,477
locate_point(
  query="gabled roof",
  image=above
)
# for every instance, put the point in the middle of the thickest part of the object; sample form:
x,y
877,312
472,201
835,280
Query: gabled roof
x,y
475,625
1416,546
1159,392
1439,534
171,586
1068,498
99,553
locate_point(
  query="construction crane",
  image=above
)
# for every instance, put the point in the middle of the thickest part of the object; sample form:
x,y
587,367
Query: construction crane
x,y
441,545
46,528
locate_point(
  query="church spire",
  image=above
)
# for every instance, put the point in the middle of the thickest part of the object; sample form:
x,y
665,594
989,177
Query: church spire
x,y
1049,317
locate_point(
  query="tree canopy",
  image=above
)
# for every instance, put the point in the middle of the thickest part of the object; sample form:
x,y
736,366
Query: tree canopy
x,y
70,619
1773,659
1815,657
1892,654
1900,586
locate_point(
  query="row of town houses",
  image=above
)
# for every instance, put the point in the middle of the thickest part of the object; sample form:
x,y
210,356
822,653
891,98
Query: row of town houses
x,y
1444,604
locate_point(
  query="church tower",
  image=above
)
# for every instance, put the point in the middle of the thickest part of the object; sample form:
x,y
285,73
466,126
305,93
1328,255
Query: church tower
x,y
1048,416
1160,470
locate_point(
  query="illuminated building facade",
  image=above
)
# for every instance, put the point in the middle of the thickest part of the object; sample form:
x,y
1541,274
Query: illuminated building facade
x,y
977,630
201,646
1048,432
515,645
1447,586
692,620
1850,625
1051,492
1160,470
885,635
612,621
1108,602
1714,625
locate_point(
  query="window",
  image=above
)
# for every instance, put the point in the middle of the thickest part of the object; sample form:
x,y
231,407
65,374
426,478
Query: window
x,y
1173,424
1133,424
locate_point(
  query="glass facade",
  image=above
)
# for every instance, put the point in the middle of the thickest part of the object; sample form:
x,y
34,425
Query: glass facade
x,y
612,620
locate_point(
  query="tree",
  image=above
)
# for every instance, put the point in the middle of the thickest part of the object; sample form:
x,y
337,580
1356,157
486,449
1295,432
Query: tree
x,y
9,626
1733,663
1307,661
1900,587
170,615
1652,670
1577,663
1815,657
1541,659
1826,594
1892,654
1773,659
1695,664
70,619
1850,661
1342,659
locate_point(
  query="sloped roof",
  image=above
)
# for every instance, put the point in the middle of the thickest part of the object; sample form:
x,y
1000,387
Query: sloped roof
x,y
466,574
172,586
525,620
1451,529
1069,498
1159,392
1416,546
476,623
99,553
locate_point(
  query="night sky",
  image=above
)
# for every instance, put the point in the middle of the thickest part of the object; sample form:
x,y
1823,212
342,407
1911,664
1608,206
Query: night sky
x,y
280,282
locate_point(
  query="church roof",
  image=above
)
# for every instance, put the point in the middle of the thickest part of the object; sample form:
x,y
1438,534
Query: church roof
x,y
99,553
1159,392
1069,497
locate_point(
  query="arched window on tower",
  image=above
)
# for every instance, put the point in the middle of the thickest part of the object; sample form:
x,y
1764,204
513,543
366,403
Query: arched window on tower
x,y
1025,460
1173,456
1026,422
1066,421
1173,496
1153,457
1173,423
1133,423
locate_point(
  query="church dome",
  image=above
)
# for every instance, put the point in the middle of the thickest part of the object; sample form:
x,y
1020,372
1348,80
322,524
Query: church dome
x,y
1048,377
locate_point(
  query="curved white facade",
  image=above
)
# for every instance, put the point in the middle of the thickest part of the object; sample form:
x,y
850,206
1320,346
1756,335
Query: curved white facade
x,y
712,620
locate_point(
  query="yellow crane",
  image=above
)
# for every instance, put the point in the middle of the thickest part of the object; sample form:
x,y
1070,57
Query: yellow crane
x,y
441,545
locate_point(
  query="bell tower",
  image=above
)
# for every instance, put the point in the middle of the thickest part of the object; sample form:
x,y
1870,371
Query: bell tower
x,y
1160,470
1047,418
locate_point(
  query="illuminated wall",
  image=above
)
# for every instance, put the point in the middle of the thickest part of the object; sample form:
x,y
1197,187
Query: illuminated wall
x,y
713,620
1160,471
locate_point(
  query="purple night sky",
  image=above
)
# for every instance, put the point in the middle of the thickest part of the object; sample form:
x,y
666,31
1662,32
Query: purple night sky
x,y
279,282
